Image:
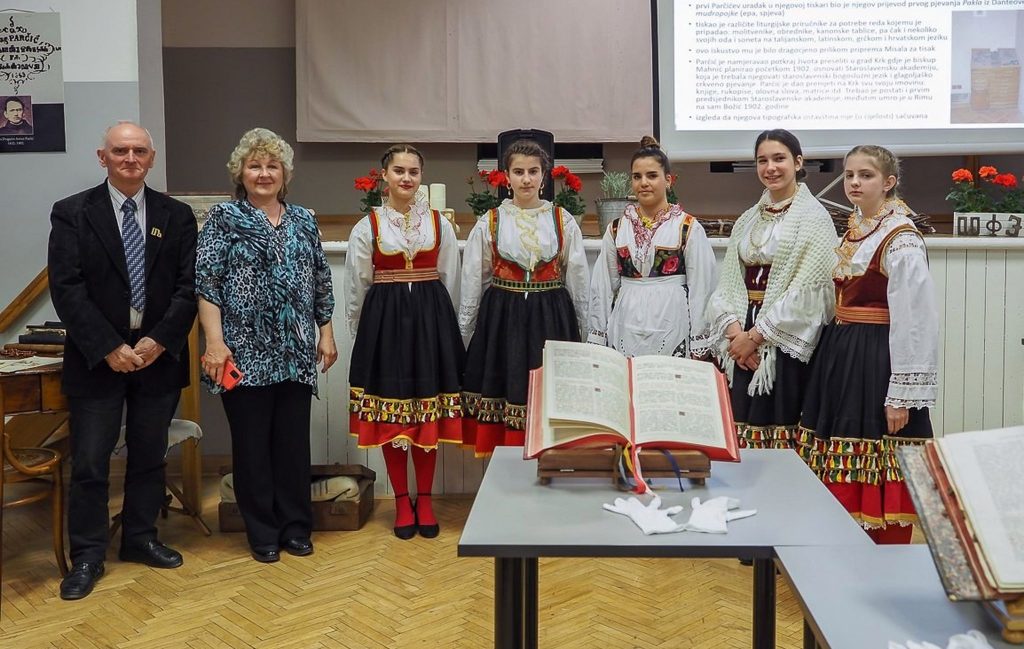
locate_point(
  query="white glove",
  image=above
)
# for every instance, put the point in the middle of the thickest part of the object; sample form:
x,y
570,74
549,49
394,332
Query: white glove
x,y
711,516
970,640
650,518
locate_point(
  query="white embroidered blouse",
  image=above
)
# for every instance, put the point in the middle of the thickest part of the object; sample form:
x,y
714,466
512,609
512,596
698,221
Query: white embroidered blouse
x,y
528,238
398,233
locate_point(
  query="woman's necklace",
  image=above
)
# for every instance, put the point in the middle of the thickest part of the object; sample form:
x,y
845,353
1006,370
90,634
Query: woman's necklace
x,y
858,229
768,216
276,220
650,222
644,235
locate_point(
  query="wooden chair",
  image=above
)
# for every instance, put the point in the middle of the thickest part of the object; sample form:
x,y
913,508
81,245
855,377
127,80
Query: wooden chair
x,y
39,466
180,431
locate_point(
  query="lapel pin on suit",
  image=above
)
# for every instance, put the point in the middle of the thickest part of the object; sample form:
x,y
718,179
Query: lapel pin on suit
x,y
156,232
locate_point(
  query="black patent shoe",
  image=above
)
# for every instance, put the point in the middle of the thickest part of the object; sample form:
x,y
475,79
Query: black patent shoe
x,y
405,532
266,554
152,553
426,531
80,581
298,546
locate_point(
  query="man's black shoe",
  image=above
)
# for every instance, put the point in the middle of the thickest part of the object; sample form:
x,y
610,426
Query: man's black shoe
x,y
79,582
298,546
154,554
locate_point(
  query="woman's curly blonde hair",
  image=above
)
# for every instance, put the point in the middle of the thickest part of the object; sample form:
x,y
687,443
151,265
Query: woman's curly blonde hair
x,y
259,142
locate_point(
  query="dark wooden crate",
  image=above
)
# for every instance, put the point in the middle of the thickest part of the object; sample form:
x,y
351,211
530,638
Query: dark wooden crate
x,y
331,515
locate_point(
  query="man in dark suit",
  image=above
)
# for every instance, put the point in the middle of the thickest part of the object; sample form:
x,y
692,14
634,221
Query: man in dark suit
x,y
122,279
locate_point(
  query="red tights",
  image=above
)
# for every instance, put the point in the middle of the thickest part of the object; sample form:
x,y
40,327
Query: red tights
x,y
424,461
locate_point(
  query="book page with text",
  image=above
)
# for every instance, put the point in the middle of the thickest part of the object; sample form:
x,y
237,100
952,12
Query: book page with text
x,y
676,399
984,469
587,384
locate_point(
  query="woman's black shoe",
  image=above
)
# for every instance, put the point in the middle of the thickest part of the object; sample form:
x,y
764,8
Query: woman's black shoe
x,y
426,531
266,554
405,532
298,546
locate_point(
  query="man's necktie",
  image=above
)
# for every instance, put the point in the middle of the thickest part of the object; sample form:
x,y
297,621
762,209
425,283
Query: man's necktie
x,y
134,254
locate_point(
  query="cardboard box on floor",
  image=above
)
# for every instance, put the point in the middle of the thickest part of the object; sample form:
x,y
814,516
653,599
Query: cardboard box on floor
x,y
346,515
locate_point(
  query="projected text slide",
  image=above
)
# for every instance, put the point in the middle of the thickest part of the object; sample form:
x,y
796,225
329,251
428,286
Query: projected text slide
x,y
859,64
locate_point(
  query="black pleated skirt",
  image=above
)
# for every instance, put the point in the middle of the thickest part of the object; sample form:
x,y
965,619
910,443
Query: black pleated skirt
x,y
769,420
407,365
849,380
508,342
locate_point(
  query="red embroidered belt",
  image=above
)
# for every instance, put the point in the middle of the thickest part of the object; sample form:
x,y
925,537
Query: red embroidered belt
x,y
861,315
409,275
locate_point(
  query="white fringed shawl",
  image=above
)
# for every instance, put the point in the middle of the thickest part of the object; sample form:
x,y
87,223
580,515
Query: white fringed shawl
x,y
804,262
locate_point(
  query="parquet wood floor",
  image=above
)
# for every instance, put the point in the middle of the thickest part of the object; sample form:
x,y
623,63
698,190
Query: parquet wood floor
x,y
365,589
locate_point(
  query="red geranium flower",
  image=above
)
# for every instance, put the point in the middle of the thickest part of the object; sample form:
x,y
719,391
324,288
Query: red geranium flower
x,y
987,172
365,183
1008,181
483,173
963,176
497,178
559,171
573,182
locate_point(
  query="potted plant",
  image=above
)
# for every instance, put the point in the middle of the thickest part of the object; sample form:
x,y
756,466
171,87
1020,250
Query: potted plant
x,y
994,203
615,186
483,201
568,197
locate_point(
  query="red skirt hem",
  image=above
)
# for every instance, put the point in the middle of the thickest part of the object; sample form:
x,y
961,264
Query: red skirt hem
x,y
429,434
876,506
483,437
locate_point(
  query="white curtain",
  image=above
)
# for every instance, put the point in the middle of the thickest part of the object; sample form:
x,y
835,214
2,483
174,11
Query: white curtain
x,y
463,70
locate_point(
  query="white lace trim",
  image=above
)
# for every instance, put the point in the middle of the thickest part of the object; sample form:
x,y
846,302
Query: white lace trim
x,y
700,345
905,240
467,318
791,345
912,390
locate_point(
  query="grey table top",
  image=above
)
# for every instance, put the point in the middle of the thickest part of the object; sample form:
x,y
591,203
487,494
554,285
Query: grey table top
x,y
515,516
862,597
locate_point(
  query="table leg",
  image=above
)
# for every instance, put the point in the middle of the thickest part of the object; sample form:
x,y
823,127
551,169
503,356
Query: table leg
x,y
764,604
809,641
530,584
508,603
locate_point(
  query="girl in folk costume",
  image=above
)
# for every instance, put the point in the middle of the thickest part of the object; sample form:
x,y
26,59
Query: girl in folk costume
x,y
401,276
774,295
874,375
655,272
524,281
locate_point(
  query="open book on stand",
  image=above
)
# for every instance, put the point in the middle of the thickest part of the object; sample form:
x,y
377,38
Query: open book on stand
x,y
966,489
587,396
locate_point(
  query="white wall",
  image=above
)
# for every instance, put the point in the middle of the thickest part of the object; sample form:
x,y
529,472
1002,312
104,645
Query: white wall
x,y
102,85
